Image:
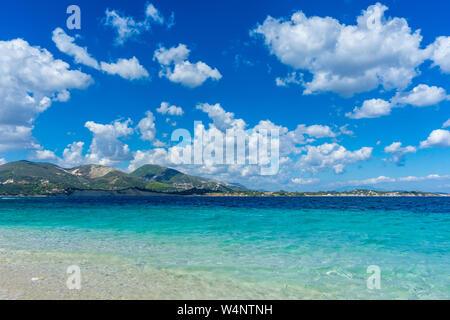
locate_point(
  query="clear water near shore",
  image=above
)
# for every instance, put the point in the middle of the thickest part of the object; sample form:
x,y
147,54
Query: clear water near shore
x,y
220,247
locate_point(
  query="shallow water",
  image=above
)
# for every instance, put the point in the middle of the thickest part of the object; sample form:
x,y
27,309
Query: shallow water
x,y
217,247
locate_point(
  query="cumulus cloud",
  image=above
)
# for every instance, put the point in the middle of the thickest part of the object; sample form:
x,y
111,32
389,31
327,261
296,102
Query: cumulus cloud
x,y
192,74
106,147
446,124
128,28
440,53
372,108
166,108
154,156
316,131
31,81
398,152
174,55
16,137
45,155
222,119
347,59
72,156
176,67
437,138
126,68
129,69
331,155
147,127
421,96
66,44
2,161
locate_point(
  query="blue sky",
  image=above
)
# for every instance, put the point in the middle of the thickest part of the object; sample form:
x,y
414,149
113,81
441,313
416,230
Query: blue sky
x,y
234,65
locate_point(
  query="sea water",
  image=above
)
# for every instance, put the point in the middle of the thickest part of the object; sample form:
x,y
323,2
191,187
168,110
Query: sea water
x,y
226,247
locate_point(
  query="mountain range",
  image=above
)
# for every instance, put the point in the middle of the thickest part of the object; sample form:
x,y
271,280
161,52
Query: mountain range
x,y
26,178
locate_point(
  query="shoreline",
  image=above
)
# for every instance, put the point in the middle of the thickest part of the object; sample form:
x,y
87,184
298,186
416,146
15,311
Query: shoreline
x,y
42,275
189,248
213,195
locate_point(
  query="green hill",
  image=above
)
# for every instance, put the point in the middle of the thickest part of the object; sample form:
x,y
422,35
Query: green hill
x,y
28,178
179,180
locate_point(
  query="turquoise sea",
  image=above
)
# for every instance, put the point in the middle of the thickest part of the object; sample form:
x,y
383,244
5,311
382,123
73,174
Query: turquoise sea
x,y
225,247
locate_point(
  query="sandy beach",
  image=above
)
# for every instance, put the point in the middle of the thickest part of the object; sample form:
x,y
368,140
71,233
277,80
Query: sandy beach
x,y
37,275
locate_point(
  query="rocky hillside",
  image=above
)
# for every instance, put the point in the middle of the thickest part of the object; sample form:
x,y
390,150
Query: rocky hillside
x,y
37,178
163,176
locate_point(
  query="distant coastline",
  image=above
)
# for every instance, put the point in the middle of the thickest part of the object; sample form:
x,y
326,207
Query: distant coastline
x,y
38,179
144,193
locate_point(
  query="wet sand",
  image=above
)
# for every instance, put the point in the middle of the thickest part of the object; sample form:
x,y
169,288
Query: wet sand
x,y
42,275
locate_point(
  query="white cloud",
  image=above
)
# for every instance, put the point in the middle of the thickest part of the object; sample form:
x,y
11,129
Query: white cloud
x,y
347,59
289,140
437,138
398,152
446,124
171,110
72,155
147,127
67,45
331,155
292,78
192,74
2,161
174,55
178,69
154,156
45,155
129,69
222,119
31,80
421,96
106,148
316,131
126,68
384,179
304,181
127,27
372,108
440,53
16,137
